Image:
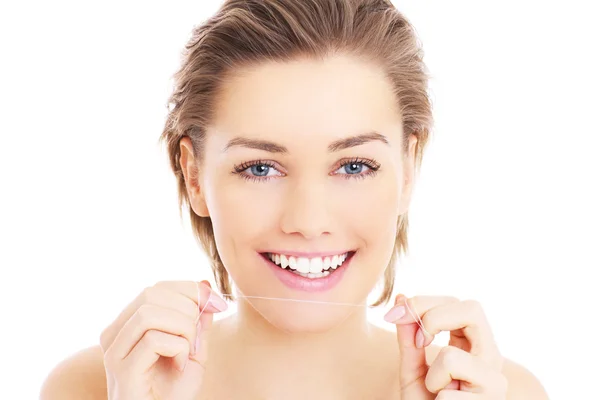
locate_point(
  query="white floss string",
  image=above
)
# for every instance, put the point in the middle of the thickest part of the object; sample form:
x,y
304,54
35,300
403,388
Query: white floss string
x,y
414,315
205,305
300,301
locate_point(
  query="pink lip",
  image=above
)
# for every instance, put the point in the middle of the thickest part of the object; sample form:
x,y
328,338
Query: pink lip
x,y
298,282
307,254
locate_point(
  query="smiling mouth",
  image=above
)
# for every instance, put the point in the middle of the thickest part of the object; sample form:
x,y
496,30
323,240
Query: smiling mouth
x,y
311,268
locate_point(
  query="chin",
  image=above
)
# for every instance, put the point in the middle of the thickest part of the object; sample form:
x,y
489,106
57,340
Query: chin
x,y
302,317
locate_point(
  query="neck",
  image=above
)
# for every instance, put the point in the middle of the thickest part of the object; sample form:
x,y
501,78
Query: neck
x,y
269,356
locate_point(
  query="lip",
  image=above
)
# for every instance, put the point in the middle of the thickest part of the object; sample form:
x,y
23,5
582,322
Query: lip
x,y
307,254
301,283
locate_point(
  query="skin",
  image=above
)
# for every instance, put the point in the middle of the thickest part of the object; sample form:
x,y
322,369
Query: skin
x,y
306,201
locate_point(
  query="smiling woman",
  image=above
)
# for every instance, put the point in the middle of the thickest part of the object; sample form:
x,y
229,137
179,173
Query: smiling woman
x,y
305,159
295,135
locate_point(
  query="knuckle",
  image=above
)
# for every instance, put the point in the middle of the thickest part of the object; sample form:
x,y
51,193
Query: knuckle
x,y
449,357
163,284
143,314
110,362
427,321
152,339
474,306
430,381
474,310
148,294
452,299
444,351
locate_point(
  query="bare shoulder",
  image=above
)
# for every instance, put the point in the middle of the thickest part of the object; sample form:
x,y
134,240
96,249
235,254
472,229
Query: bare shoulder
x,y
81,376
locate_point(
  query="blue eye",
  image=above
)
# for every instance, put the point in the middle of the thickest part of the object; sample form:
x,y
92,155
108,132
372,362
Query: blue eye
x,y
353,168
358,168
259,169
264,170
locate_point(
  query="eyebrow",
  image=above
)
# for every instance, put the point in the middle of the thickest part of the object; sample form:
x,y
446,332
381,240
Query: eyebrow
x,y
337,145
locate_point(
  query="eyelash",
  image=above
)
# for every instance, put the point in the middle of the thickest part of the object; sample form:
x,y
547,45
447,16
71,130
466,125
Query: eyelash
x,y
370,163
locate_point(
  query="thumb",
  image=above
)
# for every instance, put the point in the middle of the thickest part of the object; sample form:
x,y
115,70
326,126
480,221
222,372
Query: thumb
x,y
413,363
204,322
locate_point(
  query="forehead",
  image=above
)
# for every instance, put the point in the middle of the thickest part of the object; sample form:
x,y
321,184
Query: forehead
x,y
333,98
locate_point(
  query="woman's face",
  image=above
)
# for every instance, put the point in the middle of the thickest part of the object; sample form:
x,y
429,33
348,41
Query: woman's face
x,y
303,164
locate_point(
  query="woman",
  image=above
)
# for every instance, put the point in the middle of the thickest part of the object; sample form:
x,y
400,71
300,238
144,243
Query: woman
x,y
295,133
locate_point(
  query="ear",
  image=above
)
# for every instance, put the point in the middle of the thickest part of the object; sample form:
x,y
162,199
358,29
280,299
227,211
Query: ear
x,y
408,168
189,167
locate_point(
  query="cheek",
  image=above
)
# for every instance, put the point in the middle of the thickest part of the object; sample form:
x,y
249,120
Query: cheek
x,y
372,208
373,217
240,213
245,211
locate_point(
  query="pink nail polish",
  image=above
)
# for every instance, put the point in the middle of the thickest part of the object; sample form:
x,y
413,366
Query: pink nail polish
x,y
395,314
217,302
420,338
399,299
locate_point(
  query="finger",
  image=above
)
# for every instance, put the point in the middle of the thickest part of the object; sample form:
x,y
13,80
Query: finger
x,y
413,364
464,319
185,301
157,296
419,305
151,317
153,345
190,290
203,327
453,363
400,315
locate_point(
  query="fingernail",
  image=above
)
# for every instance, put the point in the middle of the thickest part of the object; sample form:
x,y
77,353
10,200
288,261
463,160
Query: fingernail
x,y
420,338
399,299
217,302
395,314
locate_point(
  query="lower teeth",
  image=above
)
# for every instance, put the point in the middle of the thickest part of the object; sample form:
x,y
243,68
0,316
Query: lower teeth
x,y
311,275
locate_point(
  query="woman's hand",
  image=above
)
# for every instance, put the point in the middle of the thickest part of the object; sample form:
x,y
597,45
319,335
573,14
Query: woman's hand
x,y
468,368
156,348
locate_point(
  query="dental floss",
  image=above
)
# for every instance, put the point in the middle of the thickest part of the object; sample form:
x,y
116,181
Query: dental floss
x,y
205,305
414,315
300,301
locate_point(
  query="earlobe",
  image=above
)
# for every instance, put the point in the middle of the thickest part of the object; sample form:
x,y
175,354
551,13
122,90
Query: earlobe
x,y
189,168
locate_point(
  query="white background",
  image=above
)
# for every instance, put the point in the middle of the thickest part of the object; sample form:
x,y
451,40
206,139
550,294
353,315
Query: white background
x,y
506,208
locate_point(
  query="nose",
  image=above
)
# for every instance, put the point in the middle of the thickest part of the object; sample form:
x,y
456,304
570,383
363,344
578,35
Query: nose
x,y
306,211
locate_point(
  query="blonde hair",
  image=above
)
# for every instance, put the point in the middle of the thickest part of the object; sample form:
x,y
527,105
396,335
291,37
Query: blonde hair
x,y
245,32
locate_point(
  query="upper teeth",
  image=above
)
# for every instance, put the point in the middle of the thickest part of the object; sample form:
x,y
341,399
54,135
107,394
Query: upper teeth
x,y
308,265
